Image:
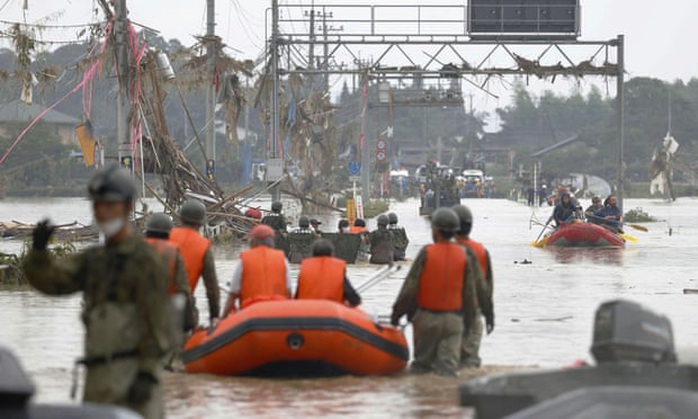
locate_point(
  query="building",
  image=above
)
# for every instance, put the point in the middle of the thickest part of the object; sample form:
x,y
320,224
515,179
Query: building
x,y
17,114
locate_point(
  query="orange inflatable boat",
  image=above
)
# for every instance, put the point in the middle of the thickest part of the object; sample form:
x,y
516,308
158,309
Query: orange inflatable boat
x,y
297,337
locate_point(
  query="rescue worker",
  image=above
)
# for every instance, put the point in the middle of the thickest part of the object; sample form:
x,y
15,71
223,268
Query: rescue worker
x,y
591,211
198,256
437,297
157,235
324,277
315,225
300,241
470,350
400,237
126,309
304,226
565,211
610,216
343,226
275,219
359,227
382,243
263,272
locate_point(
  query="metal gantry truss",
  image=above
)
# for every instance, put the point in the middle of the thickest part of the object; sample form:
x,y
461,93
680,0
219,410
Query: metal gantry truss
x,y
390,29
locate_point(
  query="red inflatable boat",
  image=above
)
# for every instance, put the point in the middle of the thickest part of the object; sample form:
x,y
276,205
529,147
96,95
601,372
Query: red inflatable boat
x,y
583,235
297,337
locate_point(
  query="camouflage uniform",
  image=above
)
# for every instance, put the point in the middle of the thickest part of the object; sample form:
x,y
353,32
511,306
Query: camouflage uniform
x,y
126,315
300,243
430,352
401,241
382,246
470,351
276,221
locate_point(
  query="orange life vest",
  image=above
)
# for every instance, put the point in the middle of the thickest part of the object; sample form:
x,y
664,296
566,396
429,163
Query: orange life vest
x,y
322,278
441,284
193,247
358,230
168,251
480,253
263,274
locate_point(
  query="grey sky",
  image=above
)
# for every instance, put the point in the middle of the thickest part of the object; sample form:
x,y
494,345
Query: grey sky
x,y
659,34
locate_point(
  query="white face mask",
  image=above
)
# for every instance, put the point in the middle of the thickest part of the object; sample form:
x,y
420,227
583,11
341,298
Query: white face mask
x,y
111,227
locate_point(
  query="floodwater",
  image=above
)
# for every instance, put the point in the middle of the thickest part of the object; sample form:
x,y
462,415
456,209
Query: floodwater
x,y
544,313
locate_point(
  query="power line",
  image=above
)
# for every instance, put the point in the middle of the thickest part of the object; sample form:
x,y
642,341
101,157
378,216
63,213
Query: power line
x,y
43,26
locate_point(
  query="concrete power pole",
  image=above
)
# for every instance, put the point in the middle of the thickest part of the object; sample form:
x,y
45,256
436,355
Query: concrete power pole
x,y
211,89
123,108
326,51
273,152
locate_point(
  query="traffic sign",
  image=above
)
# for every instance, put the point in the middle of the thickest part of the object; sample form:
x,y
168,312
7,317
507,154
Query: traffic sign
x,y
381,144
381,156
275,170
354,178
354,168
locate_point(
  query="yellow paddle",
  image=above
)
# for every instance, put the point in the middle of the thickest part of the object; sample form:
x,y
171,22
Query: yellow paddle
x,y
540,243
629,238
638,227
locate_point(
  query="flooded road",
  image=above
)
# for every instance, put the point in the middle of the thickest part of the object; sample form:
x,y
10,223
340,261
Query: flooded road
x,y
544,313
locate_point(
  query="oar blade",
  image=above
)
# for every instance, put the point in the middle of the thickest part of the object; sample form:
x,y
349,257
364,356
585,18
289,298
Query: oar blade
x,y
629,238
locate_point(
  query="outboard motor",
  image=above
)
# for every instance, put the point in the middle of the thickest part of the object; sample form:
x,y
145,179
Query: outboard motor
x,y
627,331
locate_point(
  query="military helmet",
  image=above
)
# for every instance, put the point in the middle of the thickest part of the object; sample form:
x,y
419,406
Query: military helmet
x,y
112,184
277,206
303,222
193,212
383,220
465,217
159,223
445,219
392,218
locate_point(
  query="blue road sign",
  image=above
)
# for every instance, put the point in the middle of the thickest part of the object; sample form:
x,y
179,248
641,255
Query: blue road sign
x,y
354,168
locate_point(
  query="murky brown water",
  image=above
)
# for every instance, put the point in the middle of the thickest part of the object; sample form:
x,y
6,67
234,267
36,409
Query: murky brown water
x,y
544,314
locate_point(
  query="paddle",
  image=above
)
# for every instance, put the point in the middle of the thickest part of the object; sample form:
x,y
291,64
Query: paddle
x,y
629,238
538,242
633,226
379,276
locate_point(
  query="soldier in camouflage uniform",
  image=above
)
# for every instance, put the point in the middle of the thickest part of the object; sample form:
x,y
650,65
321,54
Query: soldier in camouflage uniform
x,y
400,236
275,219
438,297
470,352
382,243
126,306
301,241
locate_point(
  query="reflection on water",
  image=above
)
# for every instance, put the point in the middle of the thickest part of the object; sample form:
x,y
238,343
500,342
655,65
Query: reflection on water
x,y
544,313
581,255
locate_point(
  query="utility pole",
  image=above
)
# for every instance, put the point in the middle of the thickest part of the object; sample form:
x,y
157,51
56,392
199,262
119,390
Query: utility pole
x,y
211,89
274,44
326,51
311,46
123,106
620,111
